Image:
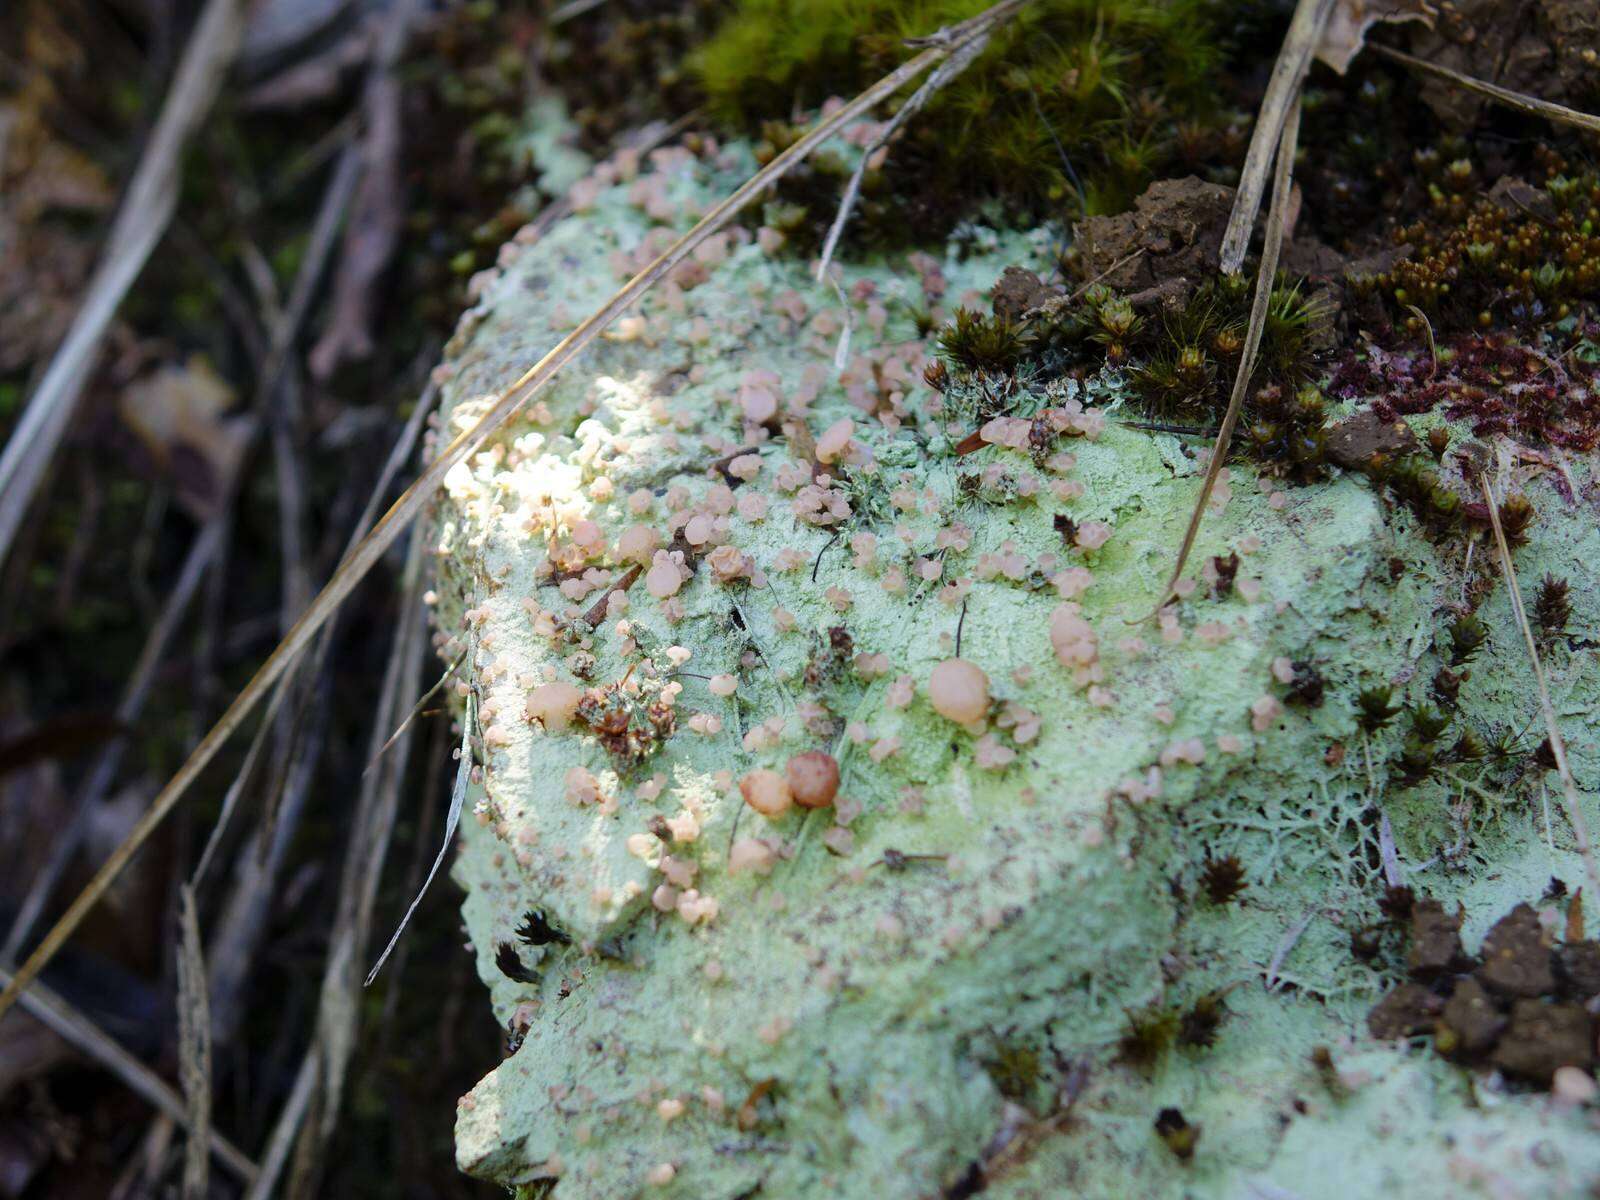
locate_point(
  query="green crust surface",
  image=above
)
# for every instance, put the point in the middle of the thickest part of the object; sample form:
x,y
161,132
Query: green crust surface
x,y
884,1029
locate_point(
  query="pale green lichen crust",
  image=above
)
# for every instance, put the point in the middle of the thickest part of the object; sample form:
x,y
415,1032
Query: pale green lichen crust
x,y
937,970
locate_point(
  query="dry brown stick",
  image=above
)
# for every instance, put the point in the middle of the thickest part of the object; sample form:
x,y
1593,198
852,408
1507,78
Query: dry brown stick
x,y
319,1084
251,892
1558,745
1265,274
1529,105
1283,97
284,327
237,929
418,495
43,1003
141,221
194,1047
597,610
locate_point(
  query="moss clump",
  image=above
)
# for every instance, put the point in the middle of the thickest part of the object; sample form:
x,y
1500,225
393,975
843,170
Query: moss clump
x,y
1148,1034
1517,254
1180,361
1552,606
977,342
1222,879
1075,103
1416,482
1184,362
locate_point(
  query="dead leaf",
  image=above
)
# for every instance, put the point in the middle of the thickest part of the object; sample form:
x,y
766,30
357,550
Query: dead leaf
x,y
1345,34
43,262
181,414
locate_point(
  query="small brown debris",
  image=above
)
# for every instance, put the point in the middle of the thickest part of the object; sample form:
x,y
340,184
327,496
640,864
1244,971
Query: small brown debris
x,y
748,1113
1397,902
1180,1136
1173,233
1580,968
1353,441
1408,1010
1543,1037
1470,1023
1199,1024
1226,569
1017,291
1516,956
1435,940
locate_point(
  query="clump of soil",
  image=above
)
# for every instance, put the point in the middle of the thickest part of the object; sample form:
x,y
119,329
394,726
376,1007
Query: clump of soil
x,y
1545,48
1163,247
1520,1006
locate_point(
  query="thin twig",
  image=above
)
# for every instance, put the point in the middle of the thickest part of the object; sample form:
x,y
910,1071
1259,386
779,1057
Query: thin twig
x,y
597,610
194,1047
1282,99
571,9
1265,275
252,893
1558,745
141,221
1528,105
937,79
458,795
283,1133
468,442
416,710
319,1084
205,553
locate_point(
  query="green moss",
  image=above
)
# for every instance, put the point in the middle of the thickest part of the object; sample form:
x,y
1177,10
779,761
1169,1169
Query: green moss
x,y
1528,257
1181,364
978,342
1075,105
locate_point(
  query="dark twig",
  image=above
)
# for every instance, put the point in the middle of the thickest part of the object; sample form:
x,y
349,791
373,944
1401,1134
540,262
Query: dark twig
x,y
1528,105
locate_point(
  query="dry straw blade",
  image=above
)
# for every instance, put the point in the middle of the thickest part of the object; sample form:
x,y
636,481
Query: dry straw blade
x,y
1280,102
141,222
1529,105
943,45
1558,745
1268,270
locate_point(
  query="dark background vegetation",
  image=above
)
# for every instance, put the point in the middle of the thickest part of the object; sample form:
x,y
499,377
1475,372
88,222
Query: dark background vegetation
x,y
194,427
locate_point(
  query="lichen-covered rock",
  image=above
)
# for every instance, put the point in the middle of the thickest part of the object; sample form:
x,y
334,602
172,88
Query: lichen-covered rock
x,y
739,541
